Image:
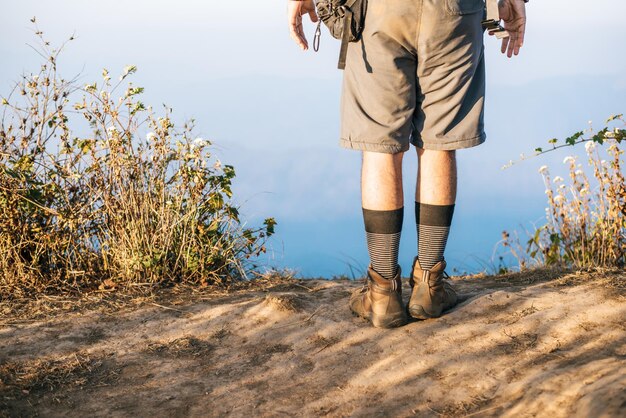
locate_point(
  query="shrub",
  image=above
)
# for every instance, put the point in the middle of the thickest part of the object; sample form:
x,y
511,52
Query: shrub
x,y
104,192
586,219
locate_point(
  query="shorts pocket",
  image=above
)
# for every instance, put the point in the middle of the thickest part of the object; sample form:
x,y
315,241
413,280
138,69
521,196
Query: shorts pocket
x,y
464,7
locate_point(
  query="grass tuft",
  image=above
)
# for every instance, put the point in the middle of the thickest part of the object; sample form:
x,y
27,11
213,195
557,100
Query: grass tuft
x,y
98,191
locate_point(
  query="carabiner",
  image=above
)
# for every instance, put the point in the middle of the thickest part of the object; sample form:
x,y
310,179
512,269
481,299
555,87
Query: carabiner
x,y
317,36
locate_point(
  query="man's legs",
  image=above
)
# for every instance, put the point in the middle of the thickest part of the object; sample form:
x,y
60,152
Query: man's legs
x,y
381,181
382,201
435,194
383,207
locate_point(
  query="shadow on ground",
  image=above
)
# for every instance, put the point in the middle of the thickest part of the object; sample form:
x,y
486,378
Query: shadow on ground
x,y
540,343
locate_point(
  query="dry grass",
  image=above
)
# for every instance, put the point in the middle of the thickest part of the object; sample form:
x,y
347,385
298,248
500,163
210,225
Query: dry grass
x,y
181,347
24,310
586,216
46,375
99,191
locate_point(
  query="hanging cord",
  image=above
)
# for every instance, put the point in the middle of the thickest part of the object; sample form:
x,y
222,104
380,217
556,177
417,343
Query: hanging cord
x,y
317,36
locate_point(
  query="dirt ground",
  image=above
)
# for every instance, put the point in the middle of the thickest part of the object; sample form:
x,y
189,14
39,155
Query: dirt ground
x,y
537,344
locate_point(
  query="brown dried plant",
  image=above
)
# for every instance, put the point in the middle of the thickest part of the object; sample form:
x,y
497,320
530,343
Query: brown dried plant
x,y
101,191
586,216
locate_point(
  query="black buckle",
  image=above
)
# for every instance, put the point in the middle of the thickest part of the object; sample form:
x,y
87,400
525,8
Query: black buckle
x,y
493,26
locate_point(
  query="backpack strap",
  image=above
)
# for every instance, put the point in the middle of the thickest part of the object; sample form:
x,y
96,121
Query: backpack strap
x,y
345,38
492,20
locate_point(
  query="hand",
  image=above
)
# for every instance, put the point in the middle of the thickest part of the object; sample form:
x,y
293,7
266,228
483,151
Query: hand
x,y
513,13
295,10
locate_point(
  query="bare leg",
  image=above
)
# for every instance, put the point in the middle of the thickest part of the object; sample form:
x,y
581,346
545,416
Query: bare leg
x,y
381,181
435,193
383,210
436,177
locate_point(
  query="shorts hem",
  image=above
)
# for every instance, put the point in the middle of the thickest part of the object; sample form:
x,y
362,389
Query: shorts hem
x,y
373,146
438,145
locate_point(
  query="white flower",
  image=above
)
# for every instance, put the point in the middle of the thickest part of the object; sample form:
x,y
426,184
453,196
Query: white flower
x,y
199,142
590,146
548,191
217,165
111,129
562,187
569,159
559,199
151,136
578,172
35,78
543,169
558,179
584,191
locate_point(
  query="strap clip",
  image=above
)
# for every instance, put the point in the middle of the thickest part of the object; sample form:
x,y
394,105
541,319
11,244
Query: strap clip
x,y
317,36
493,26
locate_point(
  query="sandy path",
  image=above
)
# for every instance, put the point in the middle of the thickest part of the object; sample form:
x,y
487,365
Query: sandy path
x,y
533,344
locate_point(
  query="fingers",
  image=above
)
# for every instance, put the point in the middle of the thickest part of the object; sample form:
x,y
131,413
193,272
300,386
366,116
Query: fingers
x,y
517,47
522,31
514,16
295,26
304,44
297,34
296,30
511,46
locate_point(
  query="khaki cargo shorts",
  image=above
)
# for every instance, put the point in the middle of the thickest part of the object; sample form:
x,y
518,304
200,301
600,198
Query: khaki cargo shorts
x,y
416,76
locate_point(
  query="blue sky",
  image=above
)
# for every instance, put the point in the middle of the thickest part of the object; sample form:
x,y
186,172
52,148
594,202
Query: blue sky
x,y
272,110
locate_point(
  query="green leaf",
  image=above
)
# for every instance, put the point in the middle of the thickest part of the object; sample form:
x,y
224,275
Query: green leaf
x,y
600,136
572,139
269,223
555,239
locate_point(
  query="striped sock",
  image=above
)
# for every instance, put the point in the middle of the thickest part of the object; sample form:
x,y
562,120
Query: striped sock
x,y
382,228
433,226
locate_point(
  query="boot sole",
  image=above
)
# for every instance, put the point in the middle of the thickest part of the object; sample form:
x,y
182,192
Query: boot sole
x,y
384,321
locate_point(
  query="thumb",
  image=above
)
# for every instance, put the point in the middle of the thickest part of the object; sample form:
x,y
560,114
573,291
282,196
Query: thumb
x,y
313,16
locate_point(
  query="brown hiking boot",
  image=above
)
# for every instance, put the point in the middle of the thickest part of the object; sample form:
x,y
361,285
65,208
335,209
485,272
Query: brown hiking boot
x,y
380,301
430,294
